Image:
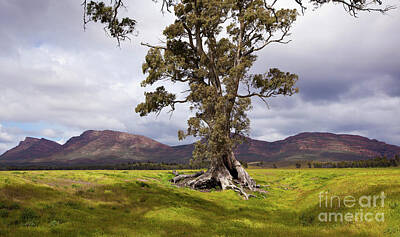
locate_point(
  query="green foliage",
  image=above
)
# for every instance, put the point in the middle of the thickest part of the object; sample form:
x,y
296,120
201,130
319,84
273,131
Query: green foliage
x,y
4,213
9,205
155,101
108,15
73,204
376,162
28,217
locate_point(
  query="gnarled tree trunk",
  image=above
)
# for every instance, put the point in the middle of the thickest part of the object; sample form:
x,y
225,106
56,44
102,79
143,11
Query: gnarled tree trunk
x,y
225,172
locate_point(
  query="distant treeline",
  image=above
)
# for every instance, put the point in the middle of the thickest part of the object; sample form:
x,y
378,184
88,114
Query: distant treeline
x,y
149,165
376,162
121,166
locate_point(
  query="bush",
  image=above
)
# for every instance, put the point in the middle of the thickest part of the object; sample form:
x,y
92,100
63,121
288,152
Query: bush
x,y
13,206
3,213
54,223
28,217
9,206
73,204
306,218
143,184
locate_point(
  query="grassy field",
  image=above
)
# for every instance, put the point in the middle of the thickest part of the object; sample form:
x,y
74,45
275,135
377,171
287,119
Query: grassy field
x,y
144,203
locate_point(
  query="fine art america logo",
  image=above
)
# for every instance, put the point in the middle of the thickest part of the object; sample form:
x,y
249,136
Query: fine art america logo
x,y
363,207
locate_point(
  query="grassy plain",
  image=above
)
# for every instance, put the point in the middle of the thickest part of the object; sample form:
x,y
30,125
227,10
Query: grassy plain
x,y
144,203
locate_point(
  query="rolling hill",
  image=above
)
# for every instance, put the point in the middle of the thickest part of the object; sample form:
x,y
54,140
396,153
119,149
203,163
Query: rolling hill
x,y
317,146
112,147
30,149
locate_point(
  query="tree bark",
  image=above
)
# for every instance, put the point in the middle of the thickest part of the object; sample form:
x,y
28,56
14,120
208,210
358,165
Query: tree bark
x,y
225,172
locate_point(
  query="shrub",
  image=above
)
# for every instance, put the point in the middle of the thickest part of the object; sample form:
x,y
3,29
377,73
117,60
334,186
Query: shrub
x,y
306,218
72,204
28,217
143,184
9,206
13,206
54,223
3,213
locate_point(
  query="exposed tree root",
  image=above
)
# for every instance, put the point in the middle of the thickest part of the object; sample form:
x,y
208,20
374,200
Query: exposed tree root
x,y
179,177
219,175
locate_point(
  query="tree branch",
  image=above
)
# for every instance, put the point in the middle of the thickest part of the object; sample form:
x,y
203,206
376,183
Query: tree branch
x,y
268,41
190,36
352,6
153,46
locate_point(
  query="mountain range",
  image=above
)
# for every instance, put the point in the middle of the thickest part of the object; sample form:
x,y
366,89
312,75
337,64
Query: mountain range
x,y
112,147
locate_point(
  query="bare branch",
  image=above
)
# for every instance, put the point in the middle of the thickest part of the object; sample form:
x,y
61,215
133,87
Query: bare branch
x,y
177,102
153,46
300,3
190,35
272,9
84,4
269,41
353,7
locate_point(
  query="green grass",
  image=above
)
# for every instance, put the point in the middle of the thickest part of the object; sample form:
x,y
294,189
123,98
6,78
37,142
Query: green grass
x,y
144,203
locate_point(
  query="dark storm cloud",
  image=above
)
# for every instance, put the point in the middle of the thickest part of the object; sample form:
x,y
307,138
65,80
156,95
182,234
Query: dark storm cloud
x,y
349,78
334,57
392,85
326,89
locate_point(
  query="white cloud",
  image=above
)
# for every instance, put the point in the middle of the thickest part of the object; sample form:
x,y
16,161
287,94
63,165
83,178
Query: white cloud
x,y
48,132
7,139
4,136
374,117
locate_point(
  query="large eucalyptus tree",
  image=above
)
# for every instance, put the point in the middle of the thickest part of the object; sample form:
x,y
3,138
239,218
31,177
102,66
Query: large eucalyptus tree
x,y
211,48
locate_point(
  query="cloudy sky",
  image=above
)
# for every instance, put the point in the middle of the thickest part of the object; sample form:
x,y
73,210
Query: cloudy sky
x,y
58,81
